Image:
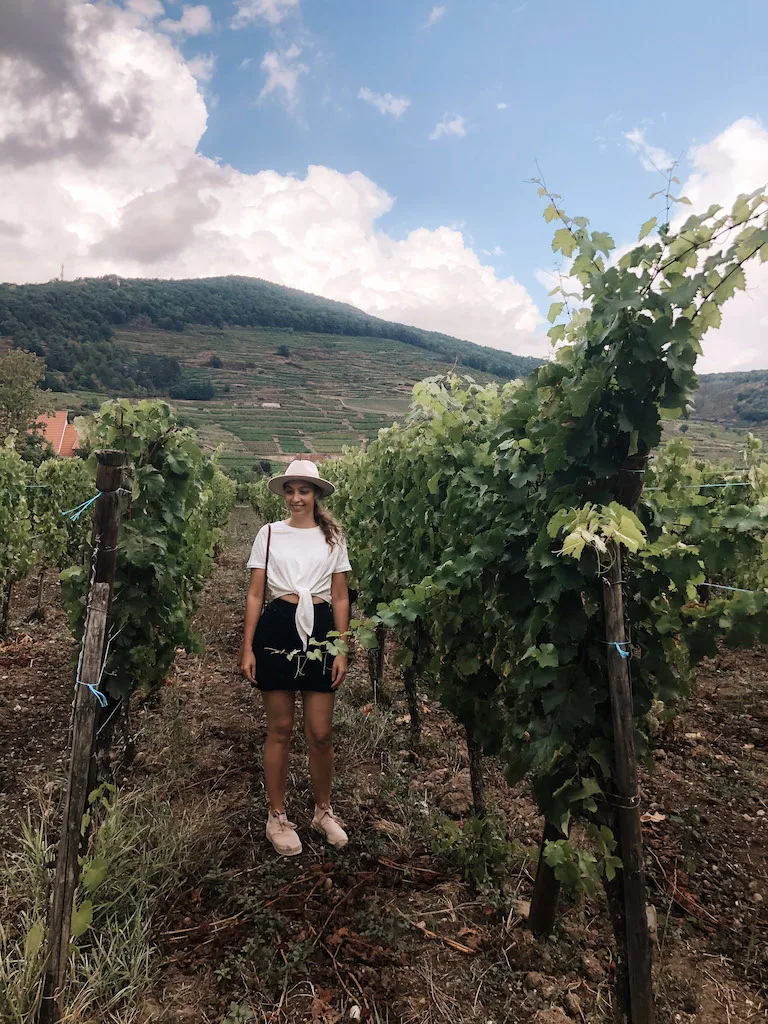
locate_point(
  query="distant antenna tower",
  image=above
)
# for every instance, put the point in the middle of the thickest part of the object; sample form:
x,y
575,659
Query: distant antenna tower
x,y
62,272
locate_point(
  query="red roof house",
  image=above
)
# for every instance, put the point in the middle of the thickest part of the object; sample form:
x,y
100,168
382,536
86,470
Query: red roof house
x,y
60,433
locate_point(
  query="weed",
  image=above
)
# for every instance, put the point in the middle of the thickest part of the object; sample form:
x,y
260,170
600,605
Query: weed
x,y
140,852
364,733
479,847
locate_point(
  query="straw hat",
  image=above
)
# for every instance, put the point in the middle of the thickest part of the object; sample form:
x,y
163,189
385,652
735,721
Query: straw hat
x,y
301,469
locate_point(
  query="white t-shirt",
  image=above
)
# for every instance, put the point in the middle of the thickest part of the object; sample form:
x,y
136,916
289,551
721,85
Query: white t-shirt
x,y
300,562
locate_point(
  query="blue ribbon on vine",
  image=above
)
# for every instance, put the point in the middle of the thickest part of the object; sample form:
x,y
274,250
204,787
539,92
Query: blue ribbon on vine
x,y
699,487
75,513
100,697
619,644
736,590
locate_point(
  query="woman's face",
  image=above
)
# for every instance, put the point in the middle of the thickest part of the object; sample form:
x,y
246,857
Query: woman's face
x,y
299,497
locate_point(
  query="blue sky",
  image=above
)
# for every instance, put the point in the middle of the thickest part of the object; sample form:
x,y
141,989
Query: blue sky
x,y
574,85
376,153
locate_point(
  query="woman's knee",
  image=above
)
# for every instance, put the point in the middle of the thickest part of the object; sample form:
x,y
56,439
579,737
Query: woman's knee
x,y
319,737
280,730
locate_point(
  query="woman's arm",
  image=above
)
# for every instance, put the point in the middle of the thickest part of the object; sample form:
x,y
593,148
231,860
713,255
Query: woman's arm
x,y
340,606
254,602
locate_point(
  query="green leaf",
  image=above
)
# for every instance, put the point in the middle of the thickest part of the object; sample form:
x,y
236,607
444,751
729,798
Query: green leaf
x,y
554,311
33,941
556,333
433,484
82,919
550,213
95,874
564,242
647,228
603,242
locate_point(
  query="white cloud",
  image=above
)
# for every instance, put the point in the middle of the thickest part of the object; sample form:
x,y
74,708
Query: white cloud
x,y
734,162
436,14
283,70
653,158
502,106
150,9
271,11
194,21
202,66
118,186
244,63
385,103
449,126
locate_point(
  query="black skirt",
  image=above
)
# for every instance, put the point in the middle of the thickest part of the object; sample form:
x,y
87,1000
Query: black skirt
x,y
276,637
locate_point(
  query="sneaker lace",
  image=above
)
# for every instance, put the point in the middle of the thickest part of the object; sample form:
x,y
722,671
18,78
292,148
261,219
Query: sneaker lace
x,y
283,824
328,813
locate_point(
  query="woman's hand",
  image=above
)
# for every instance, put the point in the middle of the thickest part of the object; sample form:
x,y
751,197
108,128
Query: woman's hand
x,y
339,671
248,665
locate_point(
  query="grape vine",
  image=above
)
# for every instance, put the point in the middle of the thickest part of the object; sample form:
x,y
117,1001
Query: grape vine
x,y
168,536
460,533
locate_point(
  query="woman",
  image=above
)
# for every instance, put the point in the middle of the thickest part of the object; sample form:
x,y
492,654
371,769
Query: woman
x,y
304,560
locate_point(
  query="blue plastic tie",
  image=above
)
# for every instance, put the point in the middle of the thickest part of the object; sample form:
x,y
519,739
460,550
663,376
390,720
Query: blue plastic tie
x,y
618,644
699,487
75,513
736,590
100,697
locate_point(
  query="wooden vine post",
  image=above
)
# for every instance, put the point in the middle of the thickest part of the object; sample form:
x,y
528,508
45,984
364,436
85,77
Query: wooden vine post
x,y
85,716
546,888
376,663
627,816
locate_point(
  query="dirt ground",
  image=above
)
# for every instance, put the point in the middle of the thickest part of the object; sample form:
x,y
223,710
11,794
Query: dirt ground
x,y
390,929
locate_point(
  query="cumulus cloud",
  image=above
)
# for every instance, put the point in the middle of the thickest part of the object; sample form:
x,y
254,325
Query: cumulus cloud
x,y
385,103
202,66
149,9
145,202
449,126
734,162
283,70
653,158
271,11
502,106
194,21
436,14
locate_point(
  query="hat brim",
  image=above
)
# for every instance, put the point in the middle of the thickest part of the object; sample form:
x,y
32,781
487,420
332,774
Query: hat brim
x,y
325,487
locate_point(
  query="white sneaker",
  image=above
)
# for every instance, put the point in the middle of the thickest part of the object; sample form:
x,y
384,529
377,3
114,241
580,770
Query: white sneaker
x,y
326,823
282,834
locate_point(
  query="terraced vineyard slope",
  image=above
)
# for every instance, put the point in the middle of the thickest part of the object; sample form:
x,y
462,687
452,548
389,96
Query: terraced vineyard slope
x,y
277,395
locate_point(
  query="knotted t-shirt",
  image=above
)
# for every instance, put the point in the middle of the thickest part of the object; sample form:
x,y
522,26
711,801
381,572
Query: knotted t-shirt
x,y
300,562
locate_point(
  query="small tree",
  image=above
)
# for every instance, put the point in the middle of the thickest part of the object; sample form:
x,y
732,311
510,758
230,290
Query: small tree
x,y
21,398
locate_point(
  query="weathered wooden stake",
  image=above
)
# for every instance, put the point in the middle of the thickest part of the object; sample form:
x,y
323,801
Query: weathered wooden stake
x,y
85,715
376,663
628,810
546,889
5,613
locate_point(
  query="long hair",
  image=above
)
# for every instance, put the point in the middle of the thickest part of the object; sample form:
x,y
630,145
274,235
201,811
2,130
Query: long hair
x,y
328,524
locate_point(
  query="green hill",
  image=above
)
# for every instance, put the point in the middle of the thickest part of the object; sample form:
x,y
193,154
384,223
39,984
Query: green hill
x,y
739,398
72,322
262,371
332,390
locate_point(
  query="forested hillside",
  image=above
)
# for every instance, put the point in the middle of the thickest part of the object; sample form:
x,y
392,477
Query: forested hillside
x,y
733,397
73,324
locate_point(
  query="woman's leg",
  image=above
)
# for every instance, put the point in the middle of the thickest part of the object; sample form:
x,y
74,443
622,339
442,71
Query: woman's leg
x,y
279,706
318,717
